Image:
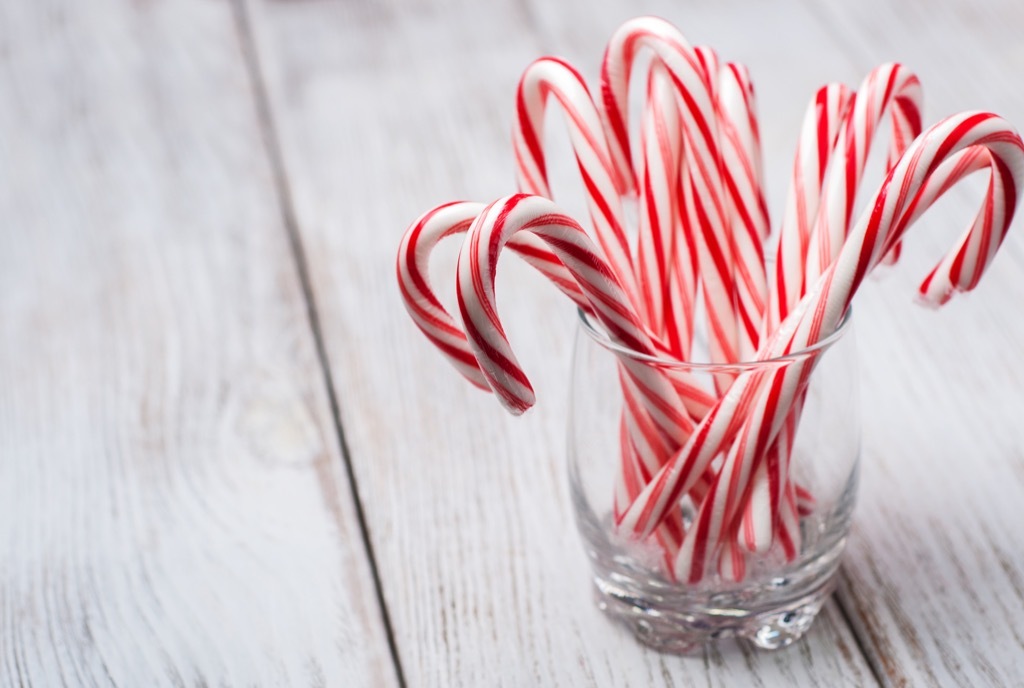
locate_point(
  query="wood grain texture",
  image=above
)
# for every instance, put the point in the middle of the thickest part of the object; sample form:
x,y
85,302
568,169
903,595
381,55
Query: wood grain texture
x,y
173,508
935,574
174,499
384,110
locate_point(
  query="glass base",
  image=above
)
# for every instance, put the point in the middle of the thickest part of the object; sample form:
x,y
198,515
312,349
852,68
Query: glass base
x,y
686,630
772,607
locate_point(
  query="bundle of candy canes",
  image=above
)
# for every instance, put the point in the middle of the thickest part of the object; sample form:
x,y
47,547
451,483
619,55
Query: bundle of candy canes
x,y
699,251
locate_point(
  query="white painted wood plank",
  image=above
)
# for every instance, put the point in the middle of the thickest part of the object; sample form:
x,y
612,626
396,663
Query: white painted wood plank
x,y
384,110
173,507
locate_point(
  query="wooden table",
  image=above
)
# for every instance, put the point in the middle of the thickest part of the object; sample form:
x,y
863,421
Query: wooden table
x,y
227,457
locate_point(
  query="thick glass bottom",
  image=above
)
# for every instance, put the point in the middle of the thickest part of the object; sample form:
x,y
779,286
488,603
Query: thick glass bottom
x,y
772,607
686,628
771,610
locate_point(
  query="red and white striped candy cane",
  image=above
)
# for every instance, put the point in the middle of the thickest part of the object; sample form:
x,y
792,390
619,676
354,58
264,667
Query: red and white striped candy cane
x,y
899,201
745,202
486,238
663,420
973,254
888,89
647,445
694,75
717,514
660,149
681,279
756,529
814,149
650,445
552,78
414,281
761,517
422,304
652,414
906,194
418,243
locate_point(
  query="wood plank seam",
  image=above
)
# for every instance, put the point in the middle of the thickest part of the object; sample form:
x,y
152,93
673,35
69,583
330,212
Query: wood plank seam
x,y
288,218
870,658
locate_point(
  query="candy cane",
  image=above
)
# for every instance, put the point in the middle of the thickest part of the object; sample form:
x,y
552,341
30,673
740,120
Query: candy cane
x,y
904,196
755,531
917,182
549,78
761,516
486,237
897,203
418,243
681,279
414,281
552,77
649,397
888,89
692,73
660,142
891,89
746,206
814,149
654,419
663,426
441,329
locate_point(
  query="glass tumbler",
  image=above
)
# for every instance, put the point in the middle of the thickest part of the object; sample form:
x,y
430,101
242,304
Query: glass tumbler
x,y
784,582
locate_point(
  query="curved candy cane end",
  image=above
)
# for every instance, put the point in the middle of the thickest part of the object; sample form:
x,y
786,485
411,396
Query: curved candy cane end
x,y
418,297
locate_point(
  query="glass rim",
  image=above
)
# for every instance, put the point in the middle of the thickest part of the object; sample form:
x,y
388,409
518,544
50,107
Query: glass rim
x,y
600,338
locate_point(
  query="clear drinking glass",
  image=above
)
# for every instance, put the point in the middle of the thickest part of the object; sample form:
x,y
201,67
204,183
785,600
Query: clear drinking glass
x,y
778,597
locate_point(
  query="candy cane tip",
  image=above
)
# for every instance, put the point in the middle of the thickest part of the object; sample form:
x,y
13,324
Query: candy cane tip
x,y
517,405
517,409
926,298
